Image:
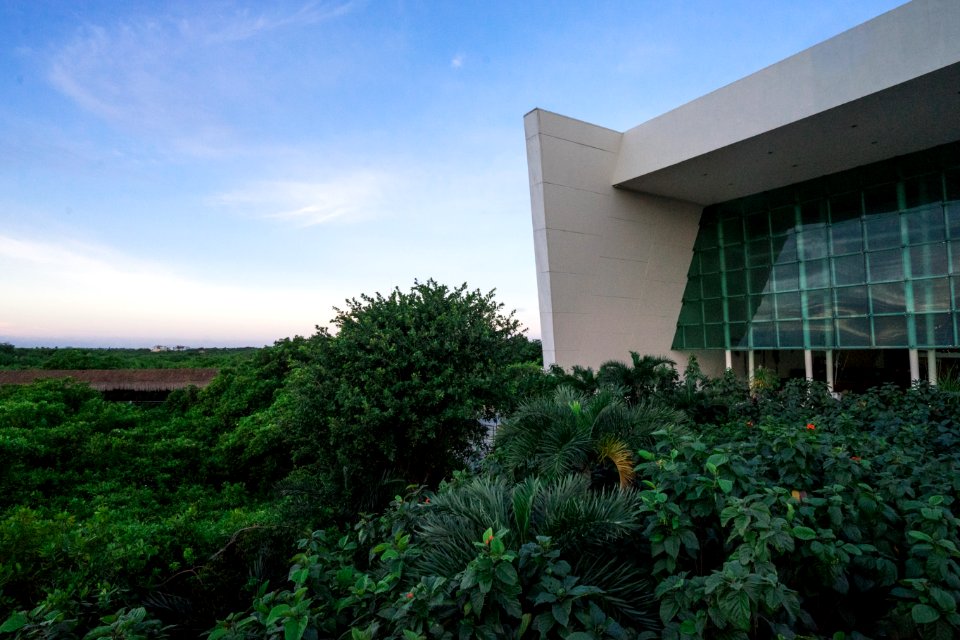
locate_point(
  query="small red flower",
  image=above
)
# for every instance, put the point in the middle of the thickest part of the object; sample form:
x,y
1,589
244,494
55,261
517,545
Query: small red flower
x,y
855,458
409,595
426,501
749,423
489,539
811,426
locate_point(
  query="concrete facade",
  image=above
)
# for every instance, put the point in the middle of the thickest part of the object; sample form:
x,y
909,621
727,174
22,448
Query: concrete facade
x,y
615,215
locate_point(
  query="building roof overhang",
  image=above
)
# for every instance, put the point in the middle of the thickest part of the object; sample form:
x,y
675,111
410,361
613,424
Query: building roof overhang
x,y
888,87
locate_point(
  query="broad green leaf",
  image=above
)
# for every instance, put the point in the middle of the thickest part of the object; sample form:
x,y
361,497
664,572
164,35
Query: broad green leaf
x,y
276,613
725,485
13,623
924,614
803,533
293,628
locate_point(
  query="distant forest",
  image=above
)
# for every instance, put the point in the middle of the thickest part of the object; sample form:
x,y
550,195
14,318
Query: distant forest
x,y
12,357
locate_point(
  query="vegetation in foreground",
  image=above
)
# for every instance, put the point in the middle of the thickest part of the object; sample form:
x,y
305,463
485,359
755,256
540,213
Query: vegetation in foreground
x,y
624,503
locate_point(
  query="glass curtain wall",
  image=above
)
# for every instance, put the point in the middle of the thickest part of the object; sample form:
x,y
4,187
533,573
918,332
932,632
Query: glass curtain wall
x,y
864,259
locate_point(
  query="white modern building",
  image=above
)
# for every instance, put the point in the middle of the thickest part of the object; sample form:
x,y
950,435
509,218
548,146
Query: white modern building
x,y
806,217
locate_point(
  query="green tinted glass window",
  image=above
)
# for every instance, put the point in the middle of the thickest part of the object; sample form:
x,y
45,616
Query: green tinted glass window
x,y
928,260
890,331
866,258
846,237
885,265
883,231
887,298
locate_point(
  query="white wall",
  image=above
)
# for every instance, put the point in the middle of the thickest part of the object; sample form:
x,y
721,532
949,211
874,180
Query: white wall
x,y
611,264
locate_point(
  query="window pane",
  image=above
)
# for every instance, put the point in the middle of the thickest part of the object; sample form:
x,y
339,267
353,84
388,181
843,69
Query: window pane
x,y
737,310
820,303
693,337
758,252
709,261
931,295
785,248
738,335
925,225
853,332
847,236
788,305
880,199
820,333
736,283
845,207
817,274
713,310
757,226
692,292
733,257
814,243
782,220
786,277
759,279
883,231
934,330
714,336
762,307
690,313
711,285
790,334
952,214
922,190
814,212
732,230
887,298
849,270
852,301
928,260
885,265
890,331
763,335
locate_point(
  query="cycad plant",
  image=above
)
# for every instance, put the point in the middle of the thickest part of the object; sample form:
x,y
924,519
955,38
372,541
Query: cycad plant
x,y
643,377
563,514
570,432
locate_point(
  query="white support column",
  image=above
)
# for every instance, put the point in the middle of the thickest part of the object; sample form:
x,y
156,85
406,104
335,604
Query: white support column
x,y
729,358
751,365
808,363
914,366
932,366
830,370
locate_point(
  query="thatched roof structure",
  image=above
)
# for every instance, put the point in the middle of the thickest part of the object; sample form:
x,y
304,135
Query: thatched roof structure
x,y
118,379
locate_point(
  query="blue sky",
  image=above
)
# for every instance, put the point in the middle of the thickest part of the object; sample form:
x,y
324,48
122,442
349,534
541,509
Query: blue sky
x,y
225,173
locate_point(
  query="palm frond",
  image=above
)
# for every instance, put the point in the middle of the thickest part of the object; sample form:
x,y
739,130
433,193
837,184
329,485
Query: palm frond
x,y
618,453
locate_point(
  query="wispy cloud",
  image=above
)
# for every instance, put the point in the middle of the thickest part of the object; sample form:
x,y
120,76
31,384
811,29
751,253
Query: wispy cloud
x,y
170,77
457,61
349,197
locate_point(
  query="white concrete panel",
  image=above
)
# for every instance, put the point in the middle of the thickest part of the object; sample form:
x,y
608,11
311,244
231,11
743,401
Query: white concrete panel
x,y
625,239
575,165
570,292
571,252
574,209
619,278
565,128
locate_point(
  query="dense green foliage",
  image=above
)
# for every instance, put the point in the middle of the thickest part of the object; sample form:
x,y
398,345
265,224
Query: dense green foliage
x,y
130,519
626,503
73,358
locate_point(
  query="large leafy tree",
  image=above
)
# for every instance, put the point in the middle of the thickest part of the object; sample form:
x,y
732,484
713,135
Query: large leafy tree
x,y
397,393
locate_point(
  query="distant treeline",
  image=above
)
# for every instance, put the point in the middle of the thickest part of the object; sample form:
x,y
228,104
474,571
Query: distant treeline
x,y
12,357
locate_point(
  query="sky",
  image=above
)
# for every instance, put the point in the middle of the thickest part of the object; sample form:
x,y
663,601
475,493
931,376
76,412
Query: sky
x,y
226,173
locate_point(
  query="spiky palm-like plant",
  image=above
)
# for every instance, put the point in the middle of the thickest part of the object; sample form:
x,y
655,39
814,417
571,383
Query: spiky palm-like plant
x,y
643,377
583,524
570,432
